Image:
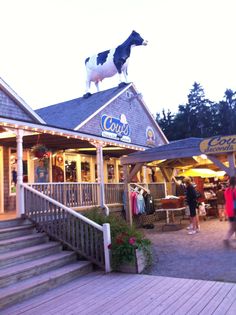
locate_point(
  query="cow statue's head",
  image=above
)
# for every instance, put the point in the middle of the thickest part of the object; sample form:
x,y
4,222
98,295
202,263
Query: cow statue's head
x,y
107,63
136,39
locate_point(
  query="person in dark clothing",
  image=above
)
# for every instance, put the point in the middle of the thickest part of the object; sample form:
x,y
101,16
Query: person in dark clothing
x,y
149,203
191,198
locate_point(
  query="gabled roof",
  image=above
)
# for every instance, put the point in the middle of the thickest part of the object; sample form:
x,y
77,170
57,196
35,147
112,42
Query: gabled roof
x,y
71,114
176,149
20,102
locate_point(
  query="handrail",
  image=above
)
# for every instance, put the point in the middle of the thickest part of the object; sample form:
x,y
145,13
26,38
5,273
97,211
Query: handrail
x,y
81,234
78,215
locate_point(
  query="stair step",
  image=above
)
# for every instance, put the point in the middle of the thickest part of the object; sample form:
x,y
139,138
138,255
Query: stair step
x,y
32,268
26,254
42,283
13,222
9,232
22,242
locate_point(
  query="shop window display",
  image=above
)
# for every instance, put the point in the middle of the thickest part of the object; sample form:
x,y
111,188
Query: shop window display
x,y
70,167
110,173
85,171
41,171
57,169
121,173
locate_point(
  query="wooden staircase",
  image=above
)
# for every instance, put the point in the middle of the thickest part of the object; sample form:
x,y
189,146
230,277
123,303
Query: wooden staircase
x,y
31,264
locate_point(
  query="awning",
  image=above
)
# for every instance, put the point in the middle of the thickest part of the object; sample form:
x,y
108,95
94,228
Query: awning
x,y
200,172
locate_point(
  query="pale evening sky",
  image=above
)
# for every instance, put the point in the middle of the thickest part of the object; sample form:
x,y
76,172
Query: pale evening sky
x,y
44,43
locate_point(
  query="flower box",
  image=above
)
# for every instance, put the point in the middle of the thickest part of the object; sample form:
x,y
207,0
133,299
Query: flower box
x,y
137,266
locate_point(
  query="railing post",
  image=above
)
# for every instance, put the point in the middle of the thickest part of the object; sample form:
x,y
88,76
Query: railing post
x,y
19,189
107,242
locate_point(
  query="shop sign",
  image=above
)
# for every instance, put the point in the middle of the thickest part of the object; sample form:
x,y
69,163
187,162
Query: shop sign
x,y
116,128
150,136
218,144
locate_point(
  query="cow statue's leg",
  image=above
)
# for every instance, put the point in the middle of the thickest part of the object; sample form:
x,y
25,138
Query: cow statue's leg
x,y
97,85
87,94
88,83
123,74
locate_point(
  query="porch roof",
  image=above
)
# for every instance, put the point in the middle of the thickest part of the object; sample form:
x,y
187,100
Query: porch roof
x,y
174,150
56,138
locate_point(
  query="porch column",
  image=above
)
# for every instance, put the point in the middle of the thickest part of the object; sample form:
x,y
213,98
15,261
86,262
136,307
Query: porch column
x,y
100,171
19,190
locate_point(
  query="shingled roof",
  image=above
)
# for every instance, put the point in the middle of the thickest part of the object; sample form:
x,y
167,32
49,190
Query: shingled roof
x,y
72,113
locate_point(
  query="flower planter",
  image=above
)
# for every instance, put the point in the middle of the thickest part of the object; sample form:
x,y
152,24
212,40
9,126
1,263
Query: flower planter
x,y
137,266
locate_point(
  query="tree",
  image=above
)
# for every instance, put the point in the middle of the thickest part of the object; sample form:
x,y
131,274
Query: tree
x,y
166,122
200,117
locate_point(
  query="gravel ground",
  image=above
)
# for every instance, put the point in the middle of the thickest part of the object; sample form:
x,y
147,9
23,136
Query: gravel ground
x,y
200,256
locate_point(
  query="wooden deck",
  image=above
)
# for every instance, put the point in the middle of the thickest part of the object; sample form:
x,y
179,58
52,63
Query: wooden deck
x,y
8,215
115,293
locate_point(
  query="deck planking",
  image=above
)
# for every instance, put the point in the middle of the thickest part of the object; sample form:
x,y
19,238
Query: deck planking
x,y
115,293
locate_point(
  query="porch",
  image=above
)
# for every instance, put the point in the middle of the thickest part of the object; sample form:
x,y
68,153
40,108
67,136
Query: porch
x,y
115,293
170,289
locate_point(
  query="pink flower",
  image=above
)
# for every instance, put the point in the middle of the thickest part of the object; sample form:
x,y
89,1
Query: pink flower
x,y
132,240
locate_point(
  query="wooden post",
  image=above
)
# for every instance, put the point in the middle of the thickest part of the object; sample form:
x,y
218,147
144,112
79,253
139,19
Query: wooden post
x,y
107,242
127,206
145,174
231,159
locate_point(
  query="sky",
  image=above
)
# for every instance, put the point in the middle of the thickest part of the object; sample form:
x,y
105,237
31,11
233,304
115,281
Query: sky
x,y
44,43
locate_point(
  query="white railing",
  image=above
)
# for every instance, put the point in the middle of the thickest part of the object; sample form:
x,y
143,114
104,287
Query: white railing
x,y
157,190
73,195
114,193
81,234
76,195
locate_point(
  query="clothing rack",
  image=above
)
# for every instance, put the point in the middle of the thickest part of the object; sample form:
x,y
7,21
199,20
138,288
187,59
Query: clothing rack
x,y
141,187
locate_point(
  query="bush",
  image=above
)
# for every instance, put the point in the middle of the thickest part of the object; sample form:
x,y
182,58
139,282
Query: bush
x,y
124,239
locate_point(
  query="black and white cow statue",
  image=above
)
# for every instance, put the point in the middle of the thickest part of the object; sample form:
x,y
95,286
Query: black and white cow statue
x,y
107,63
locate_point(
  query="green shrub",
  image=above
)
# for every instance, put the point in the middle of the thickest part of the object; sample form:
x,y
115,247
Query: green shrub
x,y
124,239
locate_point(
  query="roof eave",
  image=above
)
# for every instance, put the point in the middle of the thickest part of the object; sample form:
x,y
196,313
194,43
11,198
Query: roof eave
x,y
7,89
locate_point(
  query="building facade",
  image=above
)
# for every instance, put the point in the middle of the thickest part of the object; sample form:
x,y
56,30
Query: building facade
x,y
83,139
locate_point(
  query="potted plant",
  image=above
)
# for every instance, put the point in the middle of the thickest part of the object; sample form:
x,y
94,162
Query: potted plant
x,y
130,250
40,151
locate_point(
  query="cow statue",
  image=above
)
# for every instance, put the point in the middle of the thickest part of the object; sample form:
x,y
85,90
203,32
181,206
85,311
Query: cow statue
x,y
107,63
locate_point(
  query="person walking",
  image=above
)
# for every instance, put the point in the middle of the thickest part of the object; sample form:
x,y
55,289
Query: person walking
x,y
221,203
230,198
191,198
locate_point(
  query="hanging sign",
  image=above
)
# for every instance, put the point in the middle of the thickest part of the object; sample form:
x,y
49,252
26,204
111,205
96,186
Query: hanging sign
x,y
116,128
218,144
